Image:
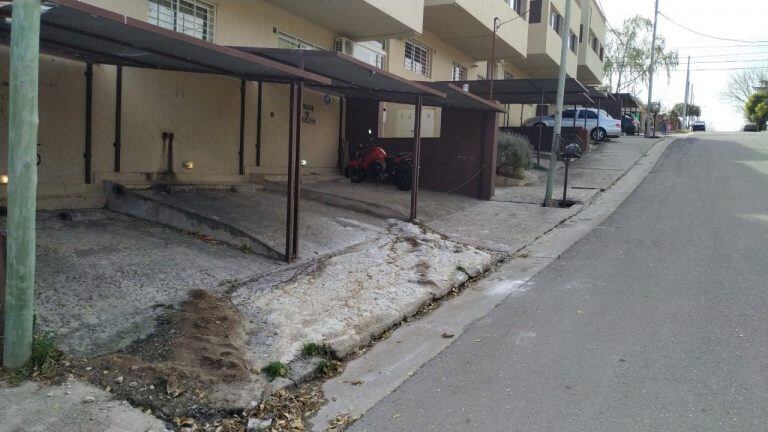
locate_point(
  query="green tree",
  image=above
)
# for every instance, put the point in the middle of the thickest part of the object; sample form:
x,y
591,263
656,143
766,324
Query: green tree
x,y
629,56
756,109
693,110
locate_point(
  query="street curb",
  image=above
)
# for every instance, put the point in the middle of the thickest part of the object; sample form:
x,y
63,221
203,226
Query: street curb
x,y
390,362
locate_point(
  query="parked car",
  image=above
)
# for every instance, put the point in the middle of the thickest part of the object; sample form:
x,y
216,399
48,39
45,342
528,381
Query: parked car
x,y
750,127
699,126
630,125
608,126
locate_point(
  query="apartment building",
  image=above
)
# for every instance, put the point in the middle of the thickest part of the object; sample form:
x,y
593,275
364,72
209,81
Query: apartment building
x,y
429,40
591,43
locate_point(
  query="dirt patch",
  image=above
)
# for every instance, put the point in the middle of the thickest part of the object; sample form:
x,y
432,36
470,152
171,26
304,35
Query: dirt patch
x,y
195,363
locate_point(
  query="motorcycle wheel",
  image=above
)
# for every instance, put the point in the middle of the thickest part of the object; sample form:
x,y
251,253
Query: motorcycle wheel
x,y
403,177
356,175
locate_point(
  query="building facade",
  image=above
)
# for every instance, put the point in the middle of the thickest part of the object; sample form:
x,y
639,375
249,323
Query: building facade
x,y
421,40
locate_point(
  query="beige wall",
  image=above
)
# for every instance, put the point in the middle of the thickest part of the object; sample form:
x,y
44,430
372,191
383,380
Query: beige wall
x,y
203,112
61,132
443,58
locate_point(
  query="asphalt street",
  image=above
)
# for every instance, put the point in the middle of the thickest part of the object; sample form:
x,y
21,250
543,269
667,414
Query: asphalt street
x,y
657,320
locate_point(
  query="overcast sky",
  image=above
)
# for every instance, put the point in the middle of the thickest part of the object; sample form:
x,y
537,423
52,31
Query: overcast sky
x,y
734,19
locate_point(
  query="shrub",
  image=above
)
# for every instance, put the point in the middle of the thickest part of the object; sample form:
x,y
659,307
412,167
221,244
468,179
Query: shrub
x,y
514,155
275,369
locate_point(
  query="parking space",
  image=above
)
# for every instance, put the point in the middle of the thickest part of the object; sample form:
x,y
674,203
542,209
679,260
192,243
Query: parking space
x,y
103,278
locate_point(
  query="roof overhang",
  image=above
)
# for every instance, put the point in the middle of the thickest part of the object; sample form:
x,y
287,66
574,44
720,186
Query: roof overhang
x,y
528,91
350,76
627,100
80,31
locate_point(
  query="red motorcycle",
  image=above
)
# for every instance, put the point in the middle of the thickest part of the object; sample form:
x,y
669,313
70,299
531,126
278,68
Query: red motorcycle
x,y
373,162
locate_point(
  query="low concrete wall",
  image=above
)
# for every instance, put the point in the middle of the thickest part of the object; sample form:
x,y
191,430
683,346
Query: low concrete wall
x,y
125,201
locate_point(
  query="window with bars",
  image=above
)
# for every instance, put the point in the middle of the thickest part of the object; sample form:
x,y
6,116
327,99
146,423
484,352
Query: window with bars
x,y
459,72
418,58
285,40
190,17
556,21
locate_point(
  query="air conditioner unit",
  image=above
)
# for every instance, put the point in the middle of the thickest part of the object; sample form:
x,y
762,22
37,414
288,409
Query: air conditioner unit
x,y
345,46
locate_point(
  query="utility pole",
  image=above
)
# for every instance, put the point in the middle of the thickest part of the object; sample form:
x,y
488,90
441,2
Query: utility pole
x,y
651,69
22,181
566,32
685,102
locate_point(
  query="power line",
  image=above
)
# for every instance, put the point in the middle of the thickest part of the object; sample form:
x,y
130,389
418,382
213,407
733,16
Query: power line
x,y
707,35
730,61
755,45
717,69
731,54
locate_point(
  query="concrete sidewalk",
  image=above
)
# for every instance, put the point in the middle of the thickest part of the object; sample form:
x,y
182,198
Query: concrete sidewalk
x,y
514,218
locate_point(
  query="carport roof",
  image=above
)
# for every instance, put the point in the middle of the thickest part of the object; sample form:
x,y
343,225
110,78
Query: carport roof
x,y
627,100
350,76
80,31
528,91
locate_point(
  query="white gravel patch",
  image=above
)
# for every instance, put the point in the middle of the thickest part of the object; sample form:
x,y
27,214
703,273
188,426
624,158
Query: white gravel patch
x,y
348,299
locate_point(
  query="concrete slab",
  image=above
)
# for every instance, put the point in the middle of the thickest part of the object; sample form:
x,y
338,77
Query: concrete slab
x,y
387,201
535,194
348,299
74,406
103,278
237,217
500,226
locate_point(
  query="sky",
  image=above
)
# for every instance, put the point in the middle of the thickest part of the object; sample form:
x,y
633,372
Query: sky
x,y
745,20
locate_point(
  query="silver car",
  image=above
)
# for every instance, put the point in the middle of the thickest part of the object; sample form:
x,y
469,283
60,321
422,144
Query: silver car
x,y
607,127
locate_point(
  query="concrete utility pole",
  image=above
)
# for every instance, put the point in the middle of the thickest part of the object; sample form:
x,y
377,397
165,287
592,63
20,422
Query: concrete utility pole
x,y
566,33
22,181
687,87
651,69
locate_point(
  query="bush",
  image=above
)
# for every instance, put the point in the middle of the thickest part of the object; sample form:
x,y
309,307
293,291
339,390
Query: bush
x,y
514,155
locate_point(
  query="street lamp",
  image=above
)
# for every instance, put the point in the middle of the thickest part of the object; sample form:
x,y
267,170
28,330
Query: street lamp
x,y
490,69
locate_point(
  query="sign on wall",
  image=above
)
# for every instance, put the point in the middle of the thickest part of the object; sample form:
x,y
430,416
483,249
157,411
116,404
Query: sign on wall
x,y
307,115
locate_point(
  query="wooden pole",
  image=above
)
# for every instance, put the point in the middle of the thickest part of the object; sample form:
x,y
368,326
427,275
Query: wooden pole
x,y
22,181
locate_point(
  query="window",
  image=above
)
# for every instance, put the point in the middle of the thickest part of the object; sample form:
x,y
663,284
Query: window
x,y
418,58
542,110
573,43
284,40
371,52
581,33
534,14
556,21
459,72
595,43
190,17
508,76
588,113
602,52
516,5
569,113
